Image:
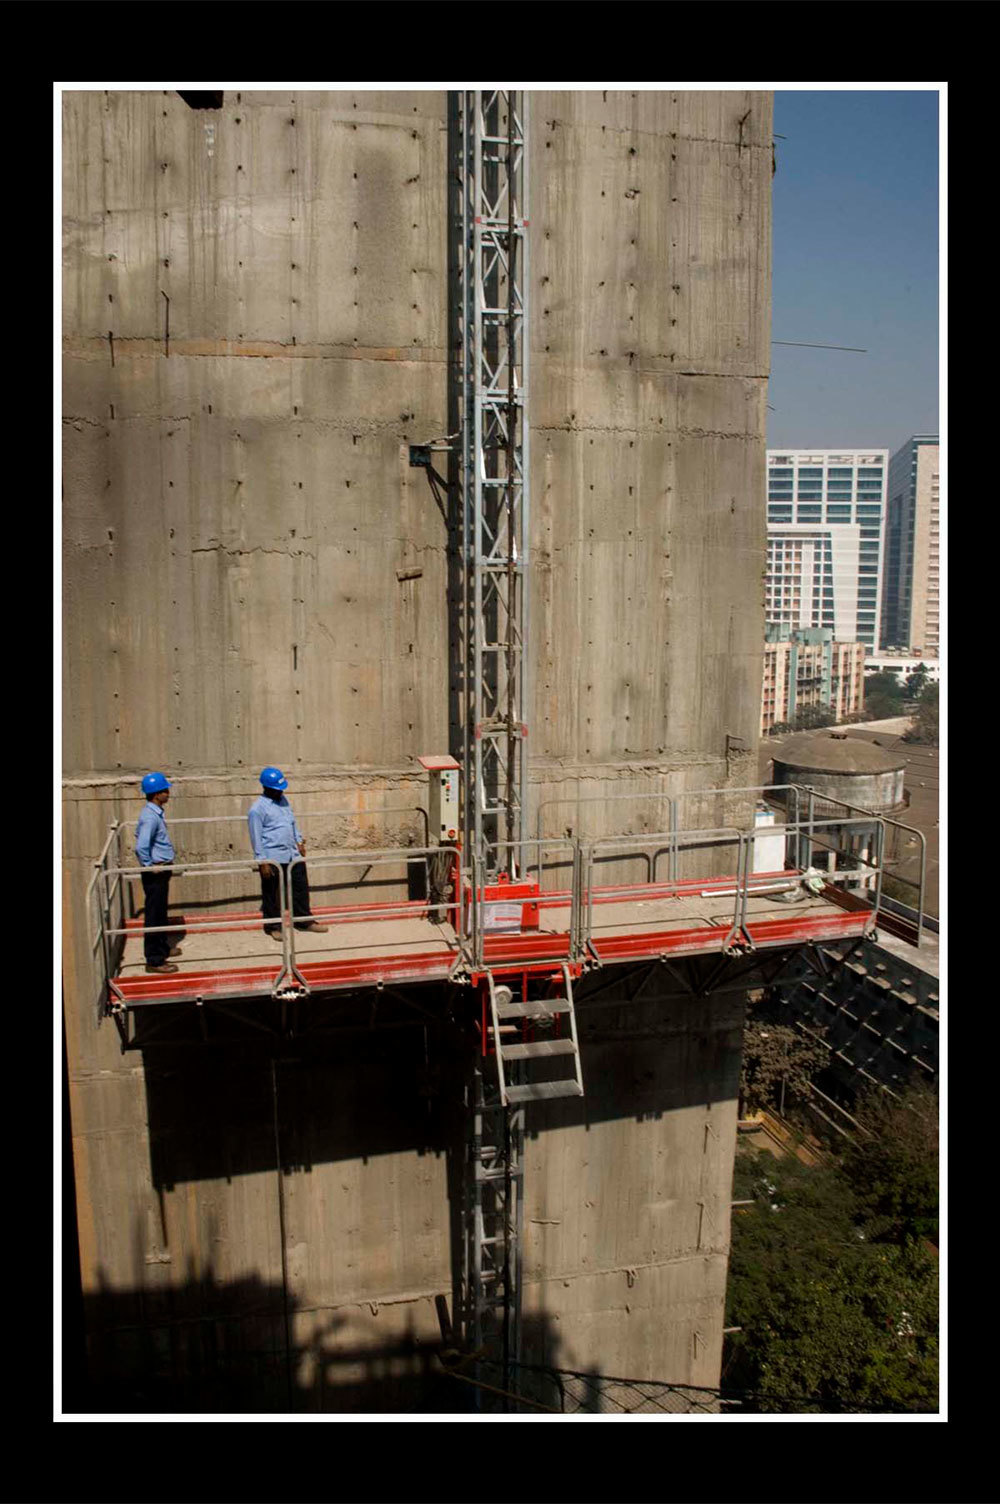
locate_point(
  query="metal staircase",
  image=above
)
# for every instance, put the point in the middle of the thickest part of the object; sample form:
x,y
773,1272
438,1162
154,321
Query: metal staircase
x,y
538,1014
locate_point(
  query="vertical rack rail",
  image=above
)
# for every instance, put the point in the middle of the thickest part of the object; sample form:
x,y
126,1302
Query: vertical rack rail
x,y
495,1226
493,472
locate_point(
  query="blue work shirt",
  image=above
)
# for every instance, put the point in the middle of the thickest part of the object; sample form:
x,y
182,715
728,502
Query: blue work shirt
x,y
152,844
274,834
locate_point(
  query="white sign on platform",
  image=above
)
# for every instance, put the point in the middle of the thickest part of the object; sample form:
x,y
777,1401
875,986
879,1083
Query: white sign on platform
x,y
502,916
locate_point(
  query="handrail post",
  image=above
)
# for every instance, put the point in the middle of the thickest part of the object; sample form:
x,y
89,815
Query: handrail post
x,y
672,802
812,806
745,860
285,905
105,937
920,893
125,883
880,829
736,928
473,920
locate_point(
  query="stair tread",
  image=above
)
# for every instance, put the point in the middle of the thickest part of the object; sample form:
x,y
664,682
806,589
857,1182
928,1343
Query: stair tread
x,y
539,1089
538,1047
539,1008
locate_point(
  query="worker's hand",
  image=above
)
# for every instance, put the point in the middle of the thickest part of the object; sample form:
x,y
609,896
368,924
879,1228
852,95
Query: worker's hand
x,y
266,869
302,848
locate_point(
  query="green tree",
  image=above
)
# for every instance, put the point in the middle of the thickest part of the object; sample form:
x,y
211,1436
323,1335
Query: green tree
x,y
916,682
828,1320
893,1166
924,728
774,1052
883,694
810,717
831,1283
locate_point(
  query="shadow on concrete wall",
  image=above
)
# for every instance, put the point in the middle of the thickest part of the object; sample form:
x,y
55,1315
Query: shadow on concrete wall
x,y
218,1110
207,1348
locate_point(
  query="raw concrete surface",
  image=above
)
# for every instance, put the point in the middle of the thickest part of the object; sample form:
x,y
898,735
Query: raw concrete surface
x,y
254,329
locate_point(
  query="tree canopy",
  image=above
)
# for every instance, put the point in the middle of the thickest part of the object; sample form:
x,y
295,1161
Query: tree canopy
x,y
883,694
774,1052
831,1280
917,681
924,728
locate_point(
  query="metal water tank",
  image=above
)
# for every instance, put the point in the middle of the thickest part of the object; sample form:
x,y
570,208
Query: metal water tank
x,y
843,767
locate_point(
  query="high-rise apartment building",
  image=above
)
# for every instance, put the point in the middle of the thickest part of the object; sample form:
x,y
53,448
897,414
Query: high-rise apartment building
x,y
911,583
825,519
804,667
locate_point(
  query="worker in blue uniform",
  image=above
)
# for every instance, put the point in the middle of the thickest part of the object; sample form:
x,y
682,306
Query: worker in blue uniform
x,y
154,852
276,838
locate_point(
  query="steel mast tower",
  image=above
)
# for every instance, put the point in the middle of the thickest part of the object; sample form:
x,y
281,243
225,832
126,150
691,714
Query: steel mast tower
x,y
493,486
493,471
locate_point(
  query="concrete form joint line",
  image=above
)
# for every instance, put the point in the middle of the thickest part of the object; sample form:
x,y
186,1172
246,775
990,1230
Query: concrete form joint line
x,y
695,1255
373,1303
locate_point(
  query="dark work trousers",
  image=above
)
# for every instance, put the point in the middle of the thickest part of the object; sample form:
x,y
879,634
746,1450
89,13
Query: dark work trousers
x,y
270,898
155,886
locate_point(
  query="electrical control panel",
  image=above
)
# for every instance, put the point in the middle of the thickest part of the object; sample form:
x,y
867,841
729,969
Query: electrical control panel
x,y
444,810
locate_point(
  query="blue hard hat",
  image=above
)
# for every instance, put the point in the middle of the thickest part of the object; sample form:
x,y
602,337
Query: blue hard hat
x,y
154,783
273,778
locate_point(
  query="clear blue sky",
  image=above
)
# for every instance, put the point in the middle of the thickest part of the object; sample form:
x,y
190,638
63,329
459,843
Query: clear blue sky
x,y
855,263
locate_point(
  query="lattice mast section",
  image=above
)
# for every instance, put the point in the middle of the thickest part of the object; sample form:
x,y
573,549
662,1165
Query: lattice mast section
x,y
494,469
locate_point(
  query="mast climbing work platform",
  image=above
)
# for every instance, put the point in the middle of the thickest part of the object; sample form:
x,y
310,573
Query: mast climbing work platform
x,y
514,920
579,903
516,949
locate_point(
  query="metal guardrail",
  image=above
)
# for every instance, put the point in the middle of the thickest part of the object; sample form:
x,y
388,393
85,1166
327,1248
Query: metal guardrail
x,y
887,821
304,818
97,934
764,792
620,846
108,879
466,908
213,924
398,856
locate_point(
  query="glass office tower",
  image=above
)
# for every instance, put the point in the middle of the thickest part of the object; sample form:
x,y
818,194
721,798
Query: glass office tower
x,y
825,530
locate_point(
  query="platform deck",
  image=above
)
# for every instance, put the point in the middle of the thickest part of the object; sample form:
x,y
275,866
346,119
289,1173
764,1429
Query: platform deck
x,y
691,918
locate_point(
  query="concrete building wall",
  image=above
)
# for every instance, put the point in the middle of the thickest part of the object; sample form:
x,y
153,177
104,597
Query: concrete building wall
x,y
925,620
911,619
255,328
806,667
848,678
